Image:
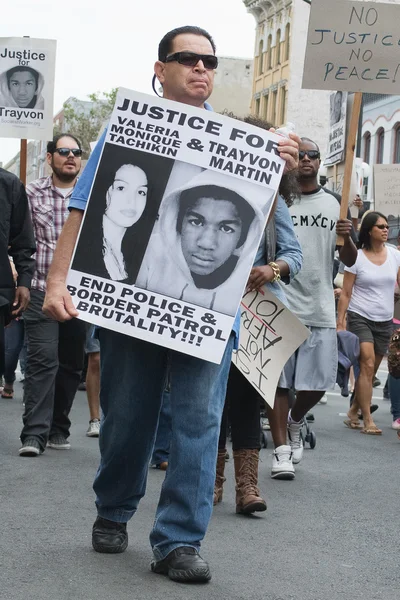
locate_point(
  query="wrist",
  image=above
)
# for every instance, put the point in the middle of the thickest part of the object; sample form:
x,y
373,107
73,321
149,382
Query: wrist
x,y
276,271
53,280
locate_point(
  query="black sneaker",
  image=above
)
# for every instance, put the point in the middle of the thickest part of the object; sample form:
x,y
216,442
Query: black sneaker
x,y
109,537
184,564
58,442
30,447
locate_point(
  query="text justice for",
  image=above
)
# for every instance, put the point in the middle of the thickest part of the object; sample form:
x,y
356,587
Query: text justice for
x,y
195,122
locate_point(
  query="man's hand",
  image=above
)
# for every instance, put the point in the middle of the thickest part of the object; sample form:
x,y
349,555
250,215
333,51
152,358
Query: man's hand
x,y
258,277
58,303
343,228
21,300
289,150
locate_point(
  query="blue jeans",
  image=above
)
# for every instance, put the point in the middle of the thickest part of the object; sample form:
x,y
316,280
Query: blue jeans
x,y
14,340
133,378
164,430
394,395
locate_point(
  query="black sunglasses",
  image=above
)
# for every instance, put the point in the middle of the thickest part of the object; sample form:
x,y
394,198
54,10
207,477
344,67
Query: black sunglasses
x,y
190,59
65,151
312,154
382,226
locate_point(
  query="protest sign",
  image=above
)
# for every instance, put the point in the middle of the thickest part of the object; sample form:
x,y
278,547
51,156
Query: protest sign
x,y
173,222
353,46
337,132
269,335
387,189
27,69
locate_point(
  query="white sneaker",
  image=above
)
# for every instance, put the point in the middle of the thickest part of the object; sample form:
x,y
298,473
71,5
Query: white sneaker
x,y
296,443
265,424
396,424
324,399
94,428
282,465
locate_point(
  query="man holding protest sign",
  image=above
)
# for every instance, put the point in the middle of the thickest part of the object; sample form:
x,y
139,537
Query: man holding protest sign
x,y
312,369
134,372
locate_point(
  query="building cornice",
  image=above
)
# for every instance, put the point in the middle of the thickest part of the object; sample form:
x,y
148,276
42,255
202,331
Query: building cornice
x,y
264,9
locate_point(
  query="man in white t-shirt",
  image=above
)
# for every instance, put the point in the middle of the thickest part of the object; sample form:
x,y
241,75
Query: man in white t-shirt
x,y
312,369
55,350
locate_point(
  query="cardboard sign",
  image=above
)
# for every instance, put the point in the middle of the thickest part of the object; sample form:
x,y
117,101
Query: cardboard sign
x,y
353,46
387,189
269,335
27,69
173,223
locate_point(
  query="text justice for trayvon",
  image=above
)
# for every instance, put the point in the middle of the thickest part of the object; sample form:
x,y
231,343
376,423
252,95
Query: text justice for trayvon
x,y
164,140
162,316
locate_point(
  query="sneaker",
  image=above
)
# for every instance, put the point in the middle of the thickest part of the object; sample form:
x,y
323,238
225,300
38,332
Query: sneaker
x,y
282,464
30,447
109,537
324,399
396,424
296,443
265,426
94,428
376,382
58,442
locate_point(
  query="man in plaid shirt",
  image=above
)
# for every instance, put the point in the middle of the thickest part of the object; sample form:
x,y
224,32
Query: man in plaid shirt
x,y
55,350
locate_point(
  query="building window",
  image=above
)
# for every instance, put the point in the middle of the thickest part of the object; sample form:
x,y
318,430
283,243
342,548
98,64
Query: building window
x,y
273,110
260,58
380,143
367,147
287,44
265,108
396,147
269,52
257,107
278,47
283,104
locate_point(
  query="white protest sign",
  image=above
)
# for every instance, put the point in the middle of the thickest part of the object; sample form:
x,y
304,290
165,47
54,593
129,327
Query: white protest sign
x,y
387,189
174,219
27,69
337,134
353,46
269,335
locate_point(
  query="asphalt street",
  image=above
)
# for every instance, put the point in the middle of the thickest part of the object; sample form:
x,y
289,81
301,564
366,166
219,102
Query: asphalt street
x,y
332,533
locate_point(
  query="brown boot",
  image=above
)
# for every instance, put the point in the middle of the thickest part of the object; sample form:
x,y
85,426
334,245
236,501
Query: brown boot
x,y
248,499
219,476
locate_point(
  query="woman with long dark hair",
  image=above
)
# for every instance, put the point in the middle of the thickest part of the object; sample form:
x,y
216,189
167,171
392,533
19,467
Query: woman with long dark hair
x,y
368,297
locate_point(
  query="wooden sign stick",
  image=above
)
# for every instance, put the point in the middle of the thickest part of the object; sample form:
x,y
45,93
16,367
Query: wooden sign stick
x,y
23,161
348,168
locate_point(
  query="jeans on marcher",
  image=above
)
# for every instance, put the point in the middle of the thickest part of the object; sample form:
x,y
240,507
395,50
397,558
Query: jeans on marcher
x,y
164,430
394,394
14,340
54,365
133,378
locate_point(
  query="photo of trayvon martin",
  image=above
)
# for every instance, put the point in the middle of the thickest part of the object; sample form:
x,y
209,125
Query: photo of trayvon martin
x,y
21,87
121,213
205,240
